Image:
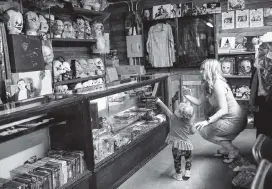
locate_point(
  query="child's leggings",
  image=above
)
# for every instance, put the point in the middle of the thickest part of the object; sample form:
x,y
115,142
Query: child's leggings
x,y
177,154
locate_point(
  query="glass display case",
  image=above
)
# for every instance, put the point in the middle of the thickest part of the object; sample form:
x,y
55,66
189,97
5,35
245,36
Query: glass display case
x,y
125,124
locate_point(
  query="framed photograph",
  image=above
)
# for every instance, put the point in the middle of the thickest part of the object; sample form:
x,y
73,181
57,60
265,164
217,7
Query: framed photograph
x,y
175,11
227,20
227,65
161,11
228,42
27,85
187,9
256,18
236,4
242,18
244,65
147,14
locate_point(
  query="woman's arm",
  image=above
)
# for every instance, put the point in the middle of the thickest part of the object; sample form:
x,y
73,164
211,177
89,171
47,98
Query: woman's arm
x,y
196,101
164,108
220,96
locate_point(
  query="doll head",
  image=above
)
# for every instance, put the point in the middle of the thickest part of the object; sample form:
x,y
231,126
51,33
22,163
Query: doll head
x,y
184,111
225,67
32,23
14,21
58,28
245,67
48,55
88,4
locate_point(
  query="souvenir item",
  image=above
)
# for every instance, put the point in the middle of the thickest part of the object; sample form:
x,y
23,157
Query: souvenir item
x,y
58,28
80,28
91,67
32,23
68,31
245,67
96,6
83,63
100,66
78,71
48,56
44,27
98,32
14,21
68,72
58,70
88,30
227,65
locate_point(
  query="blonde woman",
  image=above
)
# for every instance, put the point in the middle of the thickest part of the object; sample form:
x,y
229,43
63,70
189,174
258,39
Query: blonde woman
x,y
226,119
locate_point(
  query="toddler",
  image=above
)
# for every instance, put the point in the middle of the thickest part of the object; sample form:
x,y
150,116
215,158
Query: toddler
x,y
178,137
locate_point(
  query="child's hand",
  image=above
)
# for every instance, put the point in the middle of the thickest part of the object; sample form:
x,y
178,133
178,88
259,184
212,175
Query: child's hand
x,y
158,100
186,91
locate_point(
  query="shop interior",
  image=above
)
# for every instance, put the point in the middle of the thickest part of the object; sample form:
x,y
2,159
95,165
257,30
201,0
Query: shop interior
x,y
92,91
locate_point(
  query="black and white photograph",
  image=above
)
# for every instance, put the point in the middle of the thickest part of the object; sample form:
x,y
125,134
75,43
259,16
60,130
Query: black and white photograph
x,y
256,18
175,11
29,85
227,20
147,14
161,11
242,18
236,4
187,9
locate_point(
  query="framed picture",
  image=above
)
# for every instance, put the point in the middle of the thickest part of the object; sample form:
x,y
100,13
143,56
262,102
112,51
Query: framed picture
x,y
161,11
227,65
187,9
27,85
175,11
244,65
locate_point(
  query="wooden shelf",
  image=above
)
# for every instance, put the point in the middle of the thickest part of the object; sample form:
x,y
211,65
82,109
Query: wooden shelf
x,y
235,53
78,80
77,180
237,76
242,99
29,130
88,12
69,40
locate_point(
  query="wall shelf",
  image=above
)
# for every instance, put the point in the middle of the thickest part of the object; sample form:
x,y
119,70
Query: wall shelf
x,y
237,76
236,53
78,80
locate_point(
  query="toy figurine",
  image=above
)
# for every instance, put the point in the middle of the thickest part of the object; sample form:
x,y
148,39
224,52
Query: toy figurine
x,y
68,72
58,28
14,21
32,23
48,57
80,28
88,30
58,70
68,31
91,67
44,27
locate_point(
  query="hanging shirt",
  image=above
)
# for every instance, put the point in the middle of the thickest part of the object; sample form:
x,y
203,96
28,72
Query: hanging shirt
x,y
160,45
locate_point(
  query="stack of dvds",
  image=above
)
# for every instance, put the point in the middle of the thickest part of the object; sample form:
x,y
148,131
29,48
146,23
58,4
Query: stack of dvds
x,y
51,172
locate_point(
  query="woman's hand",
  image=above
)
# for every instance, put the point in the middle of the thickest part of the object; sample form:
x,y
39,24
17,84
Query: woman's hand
x,y
201,124
186,91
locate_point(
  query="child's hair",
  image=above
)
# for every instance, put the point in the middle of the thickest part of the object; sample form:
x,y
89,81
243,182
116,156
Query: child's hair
x,y
184,111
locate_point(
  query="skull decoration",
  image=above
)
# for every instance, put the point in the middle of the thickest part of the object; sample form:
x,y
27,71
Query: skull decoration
x,y
32,23
226,67
88,30
80,28
43,27
48,56
68,31
14,21
58,70
91,67
245,67
58,28
68,72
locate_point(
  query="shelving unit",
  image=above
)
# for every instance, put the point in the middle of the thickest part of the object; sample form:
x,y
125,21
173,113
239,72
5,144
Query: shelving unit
x,y
78,80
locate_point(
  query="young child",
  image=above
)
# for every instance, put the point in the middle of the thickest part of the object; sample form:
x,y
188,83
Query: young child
x,y
178,137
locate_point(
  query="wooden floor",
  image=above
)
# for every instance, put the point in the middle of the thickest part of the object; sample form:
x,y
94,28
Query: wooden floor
x,y
208,172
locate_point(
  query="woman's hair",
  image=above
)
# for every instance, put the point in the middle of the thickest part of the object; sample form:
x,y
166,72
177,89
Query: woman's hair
x,y
184,112
212,72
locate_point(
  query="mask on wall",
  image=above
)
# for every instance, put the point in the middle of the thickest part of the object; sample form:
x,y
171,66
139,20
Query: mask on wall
x,y
68,31
48,56
44,27
80,28
58,28
245,67
14,22
77,69
32,23
98,29
225,67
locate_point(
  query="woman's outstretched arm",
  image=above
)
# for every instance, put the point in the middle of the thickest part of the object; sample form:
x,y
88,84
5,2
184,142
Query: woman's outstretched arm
x,y
196,101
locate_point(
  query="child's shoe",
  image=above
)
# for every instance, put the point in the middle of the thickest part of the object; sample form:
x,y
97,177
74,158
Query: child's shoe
x,y
177,176
187,175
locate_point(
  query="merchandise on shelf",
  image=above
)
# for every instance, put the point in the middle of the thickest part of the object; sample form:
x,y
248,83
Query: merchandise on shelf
x,y
32,23
14,22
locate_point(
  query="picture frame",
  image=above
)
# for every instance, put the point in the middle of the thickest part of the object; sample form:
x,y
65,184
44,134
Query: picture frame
x,y
147,14
227,65
187,9
175,11
161,11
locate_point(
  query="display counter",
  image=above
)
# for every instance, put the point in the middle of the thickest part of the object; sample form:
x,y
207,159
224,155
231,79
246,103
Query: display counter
x,y
127,129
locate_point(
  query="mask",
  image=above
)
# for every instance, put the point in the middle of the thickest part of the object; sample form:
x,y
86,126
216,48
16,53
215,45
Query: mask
x,y
245,67
58,70
32,23
99,63
58,28
80,28
98,29
226,66
15,23
48,55
44,27
68,31
88,30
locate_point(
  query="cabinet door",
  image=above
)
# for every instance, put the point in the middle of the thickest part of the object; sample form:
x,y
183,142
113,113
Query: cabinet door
x,y
194,82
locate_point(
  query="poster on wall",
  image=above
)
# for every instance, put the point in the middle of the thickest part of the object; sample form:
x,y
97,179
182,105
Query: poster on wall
x,y
256,18
268,16
228,20
199,9
236,4
242,18
213,8
175,11
161,11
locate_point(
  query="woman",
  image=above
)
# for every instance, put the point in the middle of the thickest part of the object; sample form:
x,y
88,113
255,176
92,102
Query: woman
x,y
226,118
